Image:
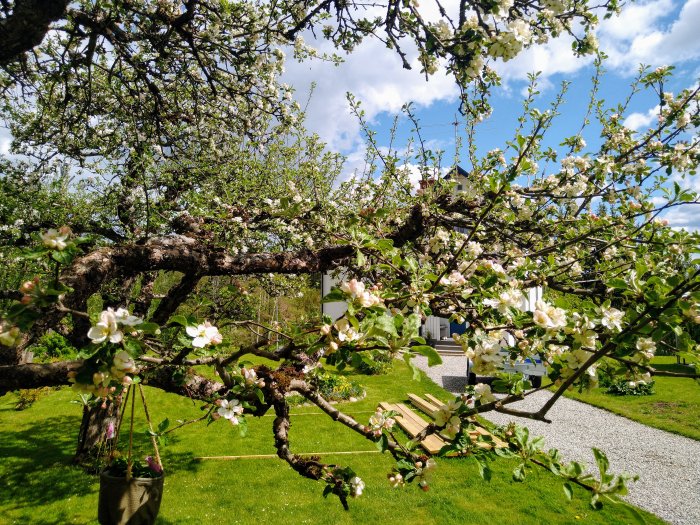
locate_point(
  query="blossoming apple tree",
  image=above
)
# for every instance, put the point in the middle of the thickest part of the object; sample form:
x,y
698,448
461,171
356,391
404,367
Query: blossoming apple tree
x,y
162,114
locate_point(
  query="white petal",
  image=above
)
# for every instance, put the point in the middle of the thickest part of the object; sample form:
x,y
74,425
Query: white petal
x,y
97,333
192,331
200,342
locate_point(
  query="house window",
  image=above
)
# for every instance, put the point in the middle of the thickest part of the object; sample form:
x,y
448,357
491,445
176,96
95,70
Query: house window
x,y
459,187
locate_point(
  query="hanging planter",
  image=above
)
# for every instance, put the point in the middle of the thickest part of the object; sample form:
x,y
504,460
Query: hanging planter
x,y
131,491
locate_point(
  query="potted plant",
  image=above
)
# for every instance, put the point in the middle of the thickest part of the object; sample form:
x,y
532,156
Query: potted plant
x,y
131,490
130,496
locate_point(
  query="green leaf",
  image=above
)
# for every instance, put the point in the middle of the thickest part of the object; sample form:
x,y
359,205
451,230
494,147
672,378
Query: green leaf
x,y
334,295
179,319
519,472
568,491
602,461
132,346
261,396
149,328
163,425
386,324
411,325
429,352
383,443
484,470
64,257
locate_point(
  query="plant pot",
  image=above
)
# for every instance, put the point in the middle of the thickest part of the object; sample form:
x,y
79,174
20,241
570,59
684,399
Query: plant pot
x,y
133,502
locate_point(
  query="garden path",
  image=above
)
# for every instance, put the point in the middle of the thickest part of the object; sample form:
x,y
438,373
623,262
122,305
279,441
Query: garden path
x,y
668,465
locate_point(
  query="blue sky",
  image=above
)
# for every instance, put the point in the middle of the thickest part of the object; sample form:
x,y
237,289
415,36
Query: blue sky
x,y
652,32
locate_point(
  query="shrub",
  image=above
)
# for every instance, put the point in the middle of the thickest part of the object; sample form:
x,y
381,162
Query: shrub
x,y
335,387
26,398
53,346
624,387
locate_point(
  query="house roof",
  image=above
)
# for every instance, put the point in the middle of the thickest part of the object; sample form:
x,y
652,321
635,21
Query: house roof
x,y
460,171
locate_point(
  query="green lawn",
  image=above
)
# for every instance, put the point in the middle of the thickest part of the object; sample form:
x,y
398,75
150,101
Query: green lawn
x,y
39,487
675,405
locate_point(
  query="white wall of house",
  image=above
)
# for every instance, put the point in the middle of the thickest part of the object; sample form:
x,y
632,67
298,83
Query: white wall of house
x,y
336,309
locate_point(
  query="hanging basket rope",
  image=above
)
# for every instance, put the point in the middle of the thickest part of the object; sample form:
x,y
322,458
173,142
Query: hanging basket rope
x,y
154,441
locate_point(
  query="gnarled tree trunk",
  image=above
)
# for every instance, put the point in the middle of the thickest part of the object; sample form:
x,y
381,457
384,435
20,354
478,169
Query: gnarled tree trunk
x,y
96,438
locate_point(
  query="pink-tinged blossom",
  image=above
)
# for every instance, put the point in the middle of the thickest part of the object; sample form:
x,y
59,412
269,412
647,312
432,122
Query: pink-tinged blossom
x,y
153,465
353,288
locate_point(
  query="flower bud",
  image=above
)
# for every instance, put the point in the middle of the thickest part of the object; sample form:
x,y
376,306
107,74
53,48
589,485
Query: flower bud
x,y
27,287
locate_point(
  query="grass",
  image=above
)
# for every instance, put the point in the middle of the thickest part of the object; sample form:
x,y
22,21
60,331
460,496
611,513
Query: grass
x,y
674,407
39,486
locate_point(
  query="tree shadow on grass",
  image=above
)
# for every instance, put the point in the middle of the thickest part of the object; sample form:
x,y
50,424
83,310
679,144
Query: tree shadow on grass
x,y
37,468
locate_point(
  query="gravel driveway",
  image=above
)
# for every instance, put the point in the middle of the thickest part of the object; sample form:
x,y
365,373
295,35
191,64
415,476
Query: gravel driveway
x,y
668,465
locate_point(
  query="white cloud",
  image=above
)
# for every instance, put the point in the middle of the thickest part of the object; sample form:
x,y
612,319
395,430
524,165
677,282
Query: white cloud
x,y
375,76
642,35
638,121
686,217
551,58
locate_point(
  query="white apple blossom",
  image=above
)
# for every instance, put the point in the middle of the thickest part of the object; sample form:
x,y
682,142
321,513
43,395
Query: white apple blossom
x,y
482,393
379,421
485,354
474,249
646,348
204,335
346,332
548,316
356,487
611,318
230,410
511,298
454,279
446,412
54,239
123,316
122,364
106,329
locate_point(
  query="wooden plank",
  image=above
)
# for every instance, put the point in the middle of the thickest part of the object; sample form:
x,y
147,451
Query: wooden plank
x,y
432,443
413,424
423,405
434,400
